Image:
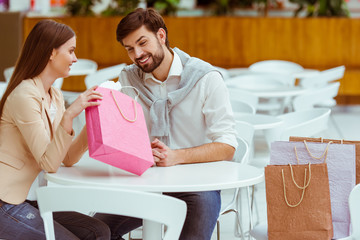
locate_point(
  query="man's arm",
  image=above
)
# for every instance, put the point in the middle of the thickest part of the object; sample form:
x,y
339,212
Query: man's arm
x,y
209,152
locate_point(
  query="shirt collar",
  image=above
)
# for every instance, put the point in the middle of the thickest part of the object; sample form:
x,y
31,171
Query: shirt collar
x,y
175,69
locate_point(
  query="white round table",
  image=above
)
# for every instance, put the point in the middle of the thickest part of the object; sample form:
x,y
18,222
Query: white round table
x,y
259,121
181,178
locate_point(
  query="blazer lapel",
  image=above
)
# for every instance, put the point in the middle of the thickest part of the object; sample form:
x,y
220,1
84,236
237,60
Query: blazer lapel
x,y
44,107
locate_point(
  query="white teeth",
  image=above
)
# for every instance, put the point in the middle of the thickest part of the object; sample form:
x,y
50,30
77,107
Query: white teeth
x,y
144,60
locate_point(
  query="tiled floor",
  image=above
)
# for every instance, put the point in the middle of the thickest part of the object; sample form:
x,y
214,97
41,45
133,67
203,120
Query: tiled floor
x,y
343,124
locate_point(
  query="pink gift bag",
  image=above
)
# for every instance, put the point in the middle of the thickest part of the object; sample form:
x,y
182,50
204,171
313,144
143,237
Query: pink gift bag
x,y
117,132
340,159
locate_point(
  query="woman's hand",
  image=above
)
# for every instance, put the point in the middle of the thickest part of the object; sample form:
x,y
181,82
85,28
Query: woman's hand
x,y
85,99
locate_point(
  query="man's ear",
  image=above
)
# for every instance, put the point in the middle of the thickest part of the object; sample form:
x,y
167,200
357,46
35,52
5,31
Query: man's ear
x,y
161,35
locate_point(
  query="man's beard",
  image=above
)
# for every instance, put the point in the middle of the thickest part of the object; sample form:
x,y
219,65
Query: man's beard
x,y
157,59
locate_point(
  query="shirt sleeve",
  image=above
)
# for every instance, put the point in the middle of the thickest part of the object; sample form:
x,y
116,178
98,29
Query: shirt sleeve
x,y
28,115
217,109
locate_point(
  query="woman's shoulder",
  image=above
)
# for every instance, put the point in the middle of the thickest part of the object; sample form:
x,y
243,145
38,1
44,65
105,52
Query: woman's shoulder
x,y
26,88
25,91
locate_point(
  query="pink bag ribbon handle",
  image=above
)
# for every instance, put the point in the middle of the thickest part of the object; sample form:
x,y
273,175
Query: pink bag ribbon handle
x,y
122,114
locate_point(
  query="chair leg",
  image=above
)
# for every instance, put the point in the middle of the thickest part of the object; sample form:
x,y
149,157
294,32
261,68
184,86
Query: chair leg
x,y
254,206
237,232
250,202
238,224
336,126
250,207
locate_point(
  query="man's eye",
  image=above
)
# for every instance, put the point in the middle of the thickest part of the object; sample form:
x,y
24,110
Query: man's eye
x,y
143,43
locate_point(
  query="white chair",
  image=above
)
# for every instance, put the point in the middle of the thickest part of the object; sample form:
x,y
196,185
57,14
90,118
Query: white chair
x,y
276,66
265,82
354,208
259,81
245,96
83,67
103,75
58,83
154,207
317,96
323,77
305,123
239,106
241,155
322,96
245,132
8,73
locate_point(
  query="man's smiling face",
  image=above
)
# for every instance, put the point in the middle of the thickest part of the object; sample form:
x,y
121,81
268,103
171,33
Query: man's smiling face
x,y
144,49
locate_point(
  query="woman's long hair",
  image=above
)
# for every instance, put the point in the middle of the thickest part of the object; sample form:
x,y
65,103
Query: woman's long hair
x,y
35,54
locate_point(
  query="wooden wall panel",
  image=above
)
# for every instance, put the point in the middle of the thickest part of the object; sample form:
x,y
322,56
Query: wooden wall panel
x,y
229,42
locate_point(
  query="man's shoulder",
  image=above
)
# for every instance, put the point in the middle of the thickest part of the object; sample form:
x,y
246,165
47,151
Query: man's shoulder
x,y
132,71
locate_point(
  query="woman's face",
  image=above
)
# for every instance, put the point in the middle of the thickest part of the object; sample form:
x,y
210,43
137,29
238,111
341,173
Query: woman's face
x,y
63,57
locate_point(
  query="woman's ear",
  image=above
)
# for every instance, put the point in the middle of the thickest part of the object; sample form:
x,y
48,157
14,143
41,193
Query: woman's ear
x,y
53,54
161,35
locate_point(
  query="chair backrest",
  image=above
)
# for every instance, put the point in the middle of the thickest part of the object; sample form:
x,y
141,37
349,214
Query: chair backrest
x,y
244,96
354,207
259,81
323,78
276,66
103,75
154,207
242,151
316,96
83,67
239,106
245,131
8,73
304,123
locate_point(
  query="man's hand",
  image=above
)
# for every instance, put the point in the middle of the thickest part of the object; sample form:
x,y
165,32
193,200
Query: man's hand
x,y
163,155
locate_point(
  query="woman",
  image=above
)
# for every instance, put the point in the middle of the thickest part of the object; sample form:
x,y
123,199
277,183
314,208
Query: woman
x,y
36,135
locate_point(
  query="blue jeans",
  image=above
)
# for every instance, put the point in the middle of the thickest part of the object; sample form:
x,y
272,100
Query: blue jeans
x,y
23,221
202,213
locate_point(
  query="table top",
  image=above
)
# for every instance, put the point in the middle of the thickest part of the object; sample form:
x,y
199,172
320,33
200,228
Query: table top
x,y
307,72
285,91
259,121
179,178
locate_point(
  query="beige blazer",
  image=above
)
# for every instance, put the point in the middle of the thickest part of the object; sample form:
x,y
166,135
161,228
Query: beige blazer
x,y
29,142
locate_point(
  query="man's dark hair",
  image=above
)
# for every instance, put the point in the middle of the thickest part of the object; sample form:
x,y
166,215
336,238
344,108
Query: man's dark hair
x,y
149,18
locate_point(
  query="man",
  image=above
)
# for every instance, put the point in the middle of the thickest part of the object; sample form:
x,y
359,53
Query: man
x,y
187,110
